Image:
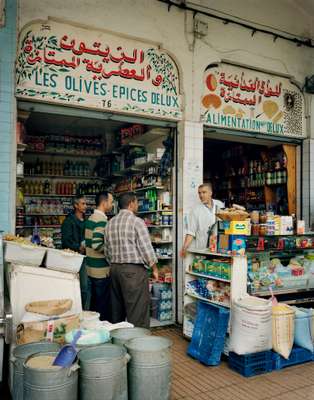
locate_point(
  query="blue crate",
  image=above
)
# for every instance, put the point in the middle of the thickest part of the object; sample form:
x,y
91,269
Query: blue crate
x,y
249,370
249,359
298,356
209,333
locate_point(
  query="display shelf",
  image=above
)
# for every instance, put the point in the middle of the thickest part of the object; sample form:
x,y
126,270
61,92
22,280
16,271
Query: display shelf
x,y
217,303
209,253
155,323
60,154
78,177
215,278
165,258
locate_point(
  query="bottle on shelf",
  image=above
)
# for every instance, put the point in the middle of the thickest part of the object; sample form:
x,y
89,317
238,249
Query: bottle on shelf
x,y
35,236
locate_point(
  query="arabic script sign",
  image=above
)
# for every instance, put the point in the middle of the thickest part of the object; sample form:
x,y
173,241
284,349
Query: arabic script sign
x,y
66,64
248,100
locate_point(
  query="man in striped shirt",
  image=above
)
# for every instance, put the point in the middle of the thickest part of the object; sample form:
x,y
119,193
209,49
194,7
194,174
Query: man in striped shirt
x,y
97,266
128,248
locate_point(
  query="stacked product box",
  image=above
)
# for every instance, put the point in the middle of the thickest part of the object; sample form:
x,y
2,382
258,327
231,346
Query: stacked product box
x,y
161,302
218,268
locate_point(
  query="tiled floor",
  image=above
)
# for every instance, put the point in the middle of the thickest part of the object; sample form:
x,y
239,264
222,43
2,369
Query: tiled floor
x,y
194,381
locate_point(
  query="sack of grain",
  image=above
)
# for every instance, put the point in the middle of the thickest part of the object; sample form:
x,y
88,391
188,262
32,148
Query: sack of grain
x,y
251,325
283,329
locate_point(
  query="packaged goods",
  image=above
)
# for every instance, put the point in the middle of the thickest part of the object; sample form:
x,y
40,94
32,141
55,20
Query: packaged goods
x,y
283,329
49,307
54,330
303,328
251,326
238,227
89,337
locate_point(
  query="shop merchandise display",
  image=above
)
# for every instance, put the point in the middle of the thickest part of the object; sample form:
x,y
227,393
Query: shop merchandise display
x,y
56,167
256,176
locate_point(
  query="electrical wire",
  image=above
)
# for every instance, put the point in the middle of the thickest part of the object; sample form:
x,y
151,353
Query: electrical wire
x,y
307,42
250,21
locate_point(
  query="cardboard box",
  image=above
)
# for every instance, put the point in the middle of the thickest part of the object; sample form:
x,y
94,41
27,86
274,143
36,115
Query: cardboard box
x,y
54,330
223,243
237,244
238,228
234,244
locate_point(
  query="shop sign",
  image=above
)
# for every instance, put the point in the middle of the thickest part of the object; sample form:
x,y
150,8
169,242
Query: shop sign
x,y
248,100
66,64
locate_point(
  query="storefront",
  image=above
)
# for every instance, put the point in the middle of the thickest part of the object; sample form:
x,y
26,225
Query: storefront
x,y
254,125
97,111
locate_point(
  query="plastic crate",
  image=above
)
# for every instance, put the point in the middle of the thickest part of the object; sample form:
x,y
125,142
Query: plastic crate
x,y
209,333
298,356
249,359
249,370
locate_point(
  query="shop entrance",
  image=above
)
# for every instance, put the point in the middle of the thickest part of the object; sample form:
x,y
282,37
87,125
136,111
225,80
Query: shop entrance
x,y
258,174
66,152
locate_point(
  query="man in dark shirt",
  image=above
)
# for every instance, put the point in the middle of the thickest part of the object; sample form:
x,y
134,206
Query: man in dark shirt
x,y
72,237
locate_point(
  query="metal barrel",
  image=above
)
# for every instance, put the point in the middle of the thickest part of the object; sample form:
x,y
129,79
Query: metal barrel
x,y
103,373
20,354
149,371
122,335
50,383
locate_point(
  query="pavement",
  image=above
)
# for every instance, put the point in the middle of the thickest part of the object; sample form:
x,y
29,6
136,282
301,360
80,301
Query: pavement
x,y
192,380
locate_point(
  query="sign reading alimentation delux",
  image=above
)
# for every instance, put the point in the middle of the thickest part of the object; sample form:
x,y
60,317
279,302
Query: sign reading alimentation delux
x,y
67,64
248,100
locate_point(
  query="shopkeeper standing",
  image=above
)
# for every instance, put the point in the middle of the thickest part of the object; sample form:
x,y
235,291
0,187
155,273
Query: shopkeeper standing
x,y
96,265
72,237
128,248
201,219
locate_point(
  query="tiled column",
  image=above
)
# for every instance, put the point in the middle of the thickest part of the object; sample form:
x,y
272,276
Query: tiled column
x,y
7,117
190,175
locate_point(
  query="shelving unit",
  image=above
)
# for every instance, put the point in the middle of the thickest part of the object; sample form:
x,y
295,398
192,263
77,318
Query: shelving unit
x,y
237,282
256,176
